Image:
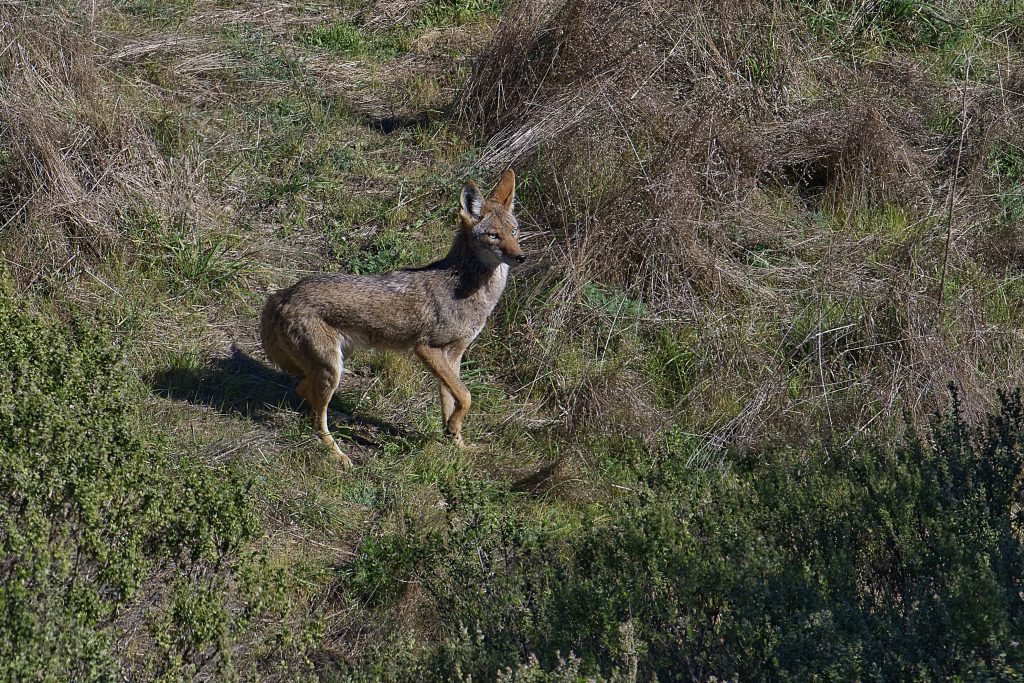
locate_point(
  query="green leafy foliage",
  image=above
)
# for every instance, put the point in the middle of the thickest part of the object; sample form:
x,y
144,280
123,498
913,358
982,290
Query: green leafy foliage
x,y
101,527
906,562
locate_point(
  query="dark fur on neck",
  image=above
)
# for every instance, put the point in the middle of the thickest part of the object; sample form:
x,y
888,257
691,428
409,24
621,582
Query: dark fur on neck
x,y
465,263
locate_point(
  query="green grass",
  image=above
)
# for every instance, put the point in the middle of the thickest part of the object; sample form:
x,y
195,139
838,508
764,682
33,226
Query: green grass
x,y
1006,169
348,40
163,13
442,13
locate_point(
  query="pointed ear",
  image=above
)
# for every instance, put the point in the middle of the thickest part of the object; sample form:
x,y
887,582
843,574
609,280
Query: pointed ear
x,y
505,191
472,202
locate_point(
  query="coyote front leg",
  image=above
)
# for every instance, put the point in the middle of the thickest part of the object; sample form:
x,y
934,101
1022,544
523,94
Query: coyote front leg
x,y
454,354
440,364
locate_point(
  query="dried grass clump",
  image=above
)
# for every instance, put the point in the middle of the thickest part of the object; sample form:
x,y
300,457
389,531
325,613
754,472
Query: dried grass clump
x,y
721,99
687,154
857,151
669,116
74,159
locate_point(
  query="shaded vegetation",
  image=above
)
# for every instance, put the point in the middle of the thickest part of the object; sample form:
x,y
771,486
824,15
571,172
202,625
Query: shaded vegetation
x,y
871,563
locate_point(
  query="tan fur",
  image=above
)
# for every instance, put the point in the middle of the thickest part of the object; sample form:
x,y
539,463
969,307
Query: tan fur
x,y
435,311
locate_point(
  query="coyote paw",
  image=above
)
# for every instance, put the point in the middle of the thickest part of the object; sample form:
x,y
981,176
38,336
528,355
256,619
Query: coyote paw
x,y
336,452
456,437
343,459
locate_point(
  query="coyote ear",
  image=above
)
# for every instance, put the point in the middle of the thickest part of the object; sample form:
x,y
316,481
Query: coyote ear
x,y
472,202
505,192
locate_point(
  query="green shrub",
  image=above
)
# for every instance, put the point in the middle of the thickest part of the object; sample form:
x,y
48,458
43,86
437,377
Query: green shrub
x,y
101,529
869,563
907,563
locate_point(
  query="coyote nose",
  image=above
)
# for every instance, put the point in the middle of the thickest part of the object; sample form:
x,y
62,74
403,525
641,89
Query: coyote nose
x,y
521,258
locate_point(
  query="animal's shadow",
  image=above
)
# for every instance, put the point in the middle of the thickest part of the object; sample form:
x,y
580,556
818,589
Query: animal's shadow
x,y
391,124
241,385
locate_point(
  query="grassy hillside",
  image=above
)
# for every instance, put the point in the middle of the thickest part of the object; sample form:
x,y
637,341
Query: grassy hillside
x,y
713,434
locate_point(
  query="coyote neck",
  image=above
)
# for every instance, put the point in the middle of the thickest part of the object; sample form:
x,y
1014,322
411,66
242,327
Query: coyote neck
x,y
476,278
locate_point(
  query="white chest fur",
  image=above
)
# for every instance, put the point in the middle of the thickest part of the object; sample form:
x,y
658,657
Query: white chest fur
x,y
484,299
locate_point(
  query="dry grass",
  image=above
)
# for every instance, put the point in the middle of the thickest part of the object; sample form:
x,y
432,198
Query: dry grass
x,y
776,195
78,162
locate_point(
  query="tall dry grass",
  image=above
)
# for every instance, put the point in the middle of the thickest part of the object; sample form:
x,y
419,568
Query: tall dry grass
x,y
772,181
77,161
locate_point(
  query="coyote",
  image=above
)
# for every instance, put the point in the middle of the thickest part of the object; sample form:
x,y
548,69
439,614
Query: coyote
x,y
435,311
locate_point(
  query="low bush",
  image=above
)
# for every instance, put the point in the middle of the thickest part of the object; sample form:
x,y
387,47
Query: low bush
x,y
869,563
117,558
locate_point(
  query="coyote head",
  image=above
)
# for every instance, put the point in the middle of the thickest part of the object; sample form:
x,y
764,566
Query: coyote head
x,y
488,222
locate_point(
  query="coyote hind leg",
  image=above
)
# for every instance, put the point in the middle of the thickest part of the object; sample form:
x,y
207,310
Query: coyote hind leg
x,y
317,388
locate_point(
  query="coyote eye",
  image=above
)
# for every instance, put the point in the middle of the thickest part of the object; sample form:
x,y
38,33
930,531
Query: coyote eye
x,y
492,235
